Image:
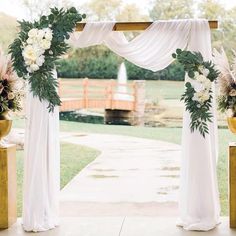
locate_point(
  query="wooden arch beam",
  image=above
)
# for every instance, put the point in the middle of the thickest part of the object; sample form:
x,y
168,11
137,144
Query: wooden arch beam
x,y
135,26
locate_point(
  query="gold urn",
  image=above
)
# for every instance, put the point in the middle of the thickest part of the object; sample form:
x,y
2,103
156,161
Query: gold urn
x,y
232,124
5,127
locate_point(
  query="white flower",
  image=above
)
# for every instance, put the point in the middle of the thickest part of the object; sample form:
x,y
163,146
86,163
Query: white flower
x,y
33,33
29,53
28,62
205,72
10,96
201,96
196,74
34,67
45,44
201,78
40,60
207,84
198,86
30,41
201,68
48,34
41,34
232,93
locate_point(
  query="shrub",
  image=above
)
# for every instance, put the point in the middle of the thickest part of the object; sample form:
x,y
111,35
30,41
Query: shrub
x,y
100,63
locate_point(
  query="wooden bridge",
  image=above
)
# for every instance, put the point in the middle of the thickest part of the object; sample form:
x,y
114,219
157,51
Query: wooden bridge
x,y
116,99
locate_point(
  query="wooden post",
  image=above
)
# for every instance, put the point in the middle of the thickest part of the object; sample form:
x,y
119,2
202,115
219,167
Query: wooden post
x,y
112,85
139,98
8,214
85,92
232,184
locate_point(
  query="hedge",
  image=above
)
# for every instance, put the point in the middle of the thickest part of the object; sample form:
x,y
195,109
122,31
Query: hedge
x,y
103,64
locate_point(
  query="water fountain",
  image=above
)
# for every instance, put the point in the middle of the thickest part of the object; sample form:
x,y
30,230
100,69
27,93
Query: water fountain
x,y
122,91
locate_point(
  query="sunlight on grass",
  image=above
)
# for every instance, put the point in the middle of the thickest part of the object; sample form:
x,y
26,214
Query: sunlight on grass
x,y
73,159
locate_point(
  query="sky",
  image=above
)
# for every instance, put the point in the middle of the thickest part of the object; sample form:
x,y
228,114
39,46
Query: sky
x,y
19,12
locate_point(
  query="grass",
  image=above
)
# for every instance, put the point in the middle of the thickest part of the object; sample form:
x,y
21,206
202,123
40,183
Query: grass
x,y
73,159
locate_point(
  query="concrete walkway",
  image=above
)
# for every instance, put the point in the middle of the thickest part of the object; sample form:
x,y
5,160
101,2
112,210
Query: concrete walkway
x,y
132,177
119,226
129,190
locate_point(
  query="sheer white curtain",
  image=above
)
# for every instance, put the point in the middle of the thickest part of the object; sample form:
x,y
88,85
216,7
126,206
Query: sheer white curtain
x,y
152,49
41,166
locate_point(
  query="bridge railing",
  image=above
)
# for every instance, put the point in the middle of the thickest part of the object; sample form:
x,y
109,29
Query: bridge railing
x,y
106,94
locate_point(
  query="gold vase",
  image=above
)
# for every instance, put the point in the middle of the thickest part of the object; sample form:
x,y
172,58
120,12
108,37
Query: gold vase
x,y
5,127
232,124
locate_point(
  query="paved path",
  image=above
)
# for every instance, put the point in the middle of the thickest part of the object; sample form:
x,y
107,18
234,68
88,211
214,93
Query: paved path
x,y
131,177
118,226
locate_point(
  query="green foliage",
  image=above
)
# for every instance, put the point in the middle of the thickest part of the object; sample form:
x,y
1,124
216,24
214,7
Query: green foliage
x,y
199,110
43,84
99,62
172,9
226,103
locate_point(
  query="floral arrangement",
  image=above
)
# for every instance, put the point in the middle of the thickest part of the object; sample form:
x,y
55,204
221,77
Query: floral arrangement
x,y
198,94
226,82
10,86
39,44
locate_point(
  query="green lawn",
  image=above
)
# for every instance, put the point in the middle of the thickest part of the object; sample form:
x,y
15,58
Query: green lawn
x,y
73,159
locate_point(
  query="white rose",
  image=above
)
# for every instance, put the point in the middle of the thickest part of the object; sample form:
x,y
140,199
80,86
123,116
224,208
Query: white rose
x,y
48,34
29,69
196,74
33,33
205,96
40,34
201,96
207,84
205,72
28,62
29,53
30,41
201,68
34,67
197,86
201,78
45,44
40,60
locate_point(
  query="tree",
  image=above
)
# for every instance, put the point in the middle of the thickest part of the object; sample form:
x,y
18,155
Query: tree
x,y
175,9
102,9
131,12
36,8
226,34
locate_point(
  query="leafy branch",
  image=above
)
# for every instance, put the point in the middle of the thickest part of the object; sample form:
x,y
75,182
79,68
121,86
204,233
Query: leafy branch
x,y
200,71
43,84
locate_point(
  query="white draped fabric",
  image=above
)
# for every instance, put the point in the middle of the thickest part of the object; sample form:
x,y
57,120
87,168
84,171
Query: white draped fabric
x,y
41,166
152,49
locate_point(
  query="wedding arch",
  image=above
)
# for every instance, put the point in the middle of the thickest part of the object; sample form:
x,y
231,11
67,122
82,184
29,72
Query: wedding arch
x,y
152,49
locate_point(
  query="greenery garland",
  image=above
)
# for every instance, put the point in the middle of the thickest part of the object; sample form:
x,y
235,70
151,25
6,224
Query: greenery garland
x,y
38,45
198,94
